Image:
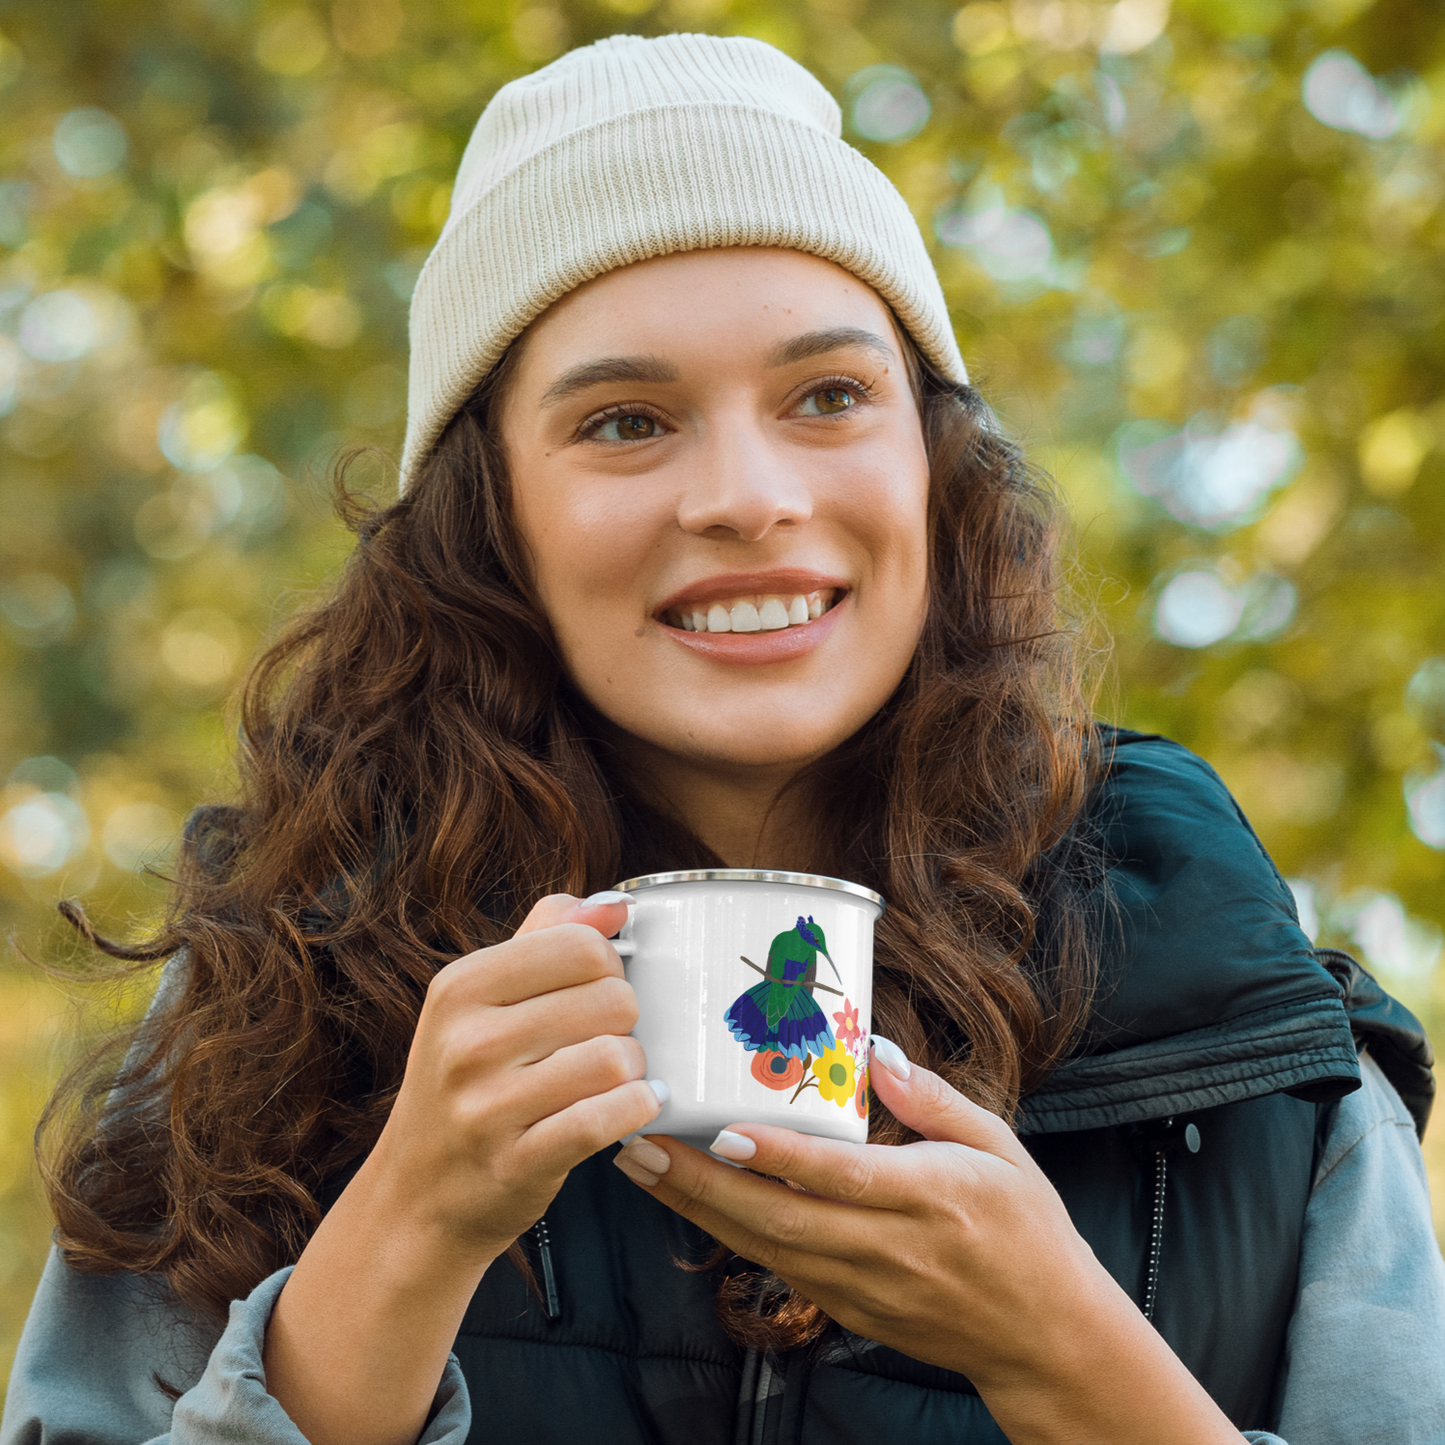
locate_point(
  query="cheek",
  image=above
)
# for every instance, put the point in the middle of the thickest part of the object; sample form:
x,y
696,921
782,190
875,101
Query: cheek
x,y
888,512
901,588
585,547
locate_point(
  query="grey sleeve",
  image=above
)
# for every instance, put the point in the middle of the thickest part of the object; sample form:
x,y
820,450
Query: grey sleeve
x,y
96,1349
1365,1355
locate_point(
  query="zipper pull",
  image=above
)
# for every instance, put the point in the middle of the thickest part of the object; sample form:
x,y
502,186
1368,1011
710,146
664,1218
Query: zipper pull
x,y
549,1279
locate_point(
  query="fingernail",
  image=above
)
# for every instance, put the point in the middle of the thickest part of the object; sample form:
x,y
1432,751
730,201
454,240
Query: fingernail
x,y
736,1147
608,895
635,1172
887,1053
660,1089
648,1156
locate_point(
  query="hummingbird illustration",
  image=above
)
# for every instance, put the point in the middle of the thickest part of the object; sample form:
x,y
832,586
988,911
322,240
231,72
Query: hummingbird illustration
x,y
780,1014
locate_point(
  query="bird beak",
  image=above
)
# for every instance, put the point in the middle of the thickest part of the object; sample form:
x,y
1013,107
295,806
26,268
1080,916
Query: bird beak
x,y
832,965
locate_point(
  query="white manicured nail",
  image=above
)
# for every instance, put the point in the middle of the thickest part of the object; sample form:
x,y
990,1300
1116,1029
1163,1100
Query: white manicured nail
x,y
660,1089
608,895
647,1155
736,1147
887,1053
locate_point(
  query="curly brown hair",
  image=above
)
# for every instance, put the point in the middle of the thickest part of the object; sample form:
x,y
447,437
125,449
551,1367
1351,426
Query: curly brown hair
x,y
416,770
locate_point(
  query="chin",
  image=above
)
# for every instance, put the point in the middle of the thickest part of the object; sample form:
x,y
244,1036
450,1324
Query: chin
x,y
761,743
770,729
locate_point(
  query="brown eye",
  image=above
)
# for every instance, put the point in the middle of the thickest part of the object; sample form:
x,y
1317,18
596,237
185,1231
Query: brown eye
x,y
828,402
631,428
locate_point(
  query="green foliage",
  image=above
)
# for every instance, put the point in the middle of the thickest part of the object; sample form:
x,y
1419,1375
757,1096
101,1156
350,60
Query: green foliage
x,y
1192,259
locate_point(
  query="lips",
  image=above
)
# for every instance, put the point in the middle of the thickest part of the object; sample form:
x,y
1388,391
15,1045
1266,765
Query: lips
x,y
755,617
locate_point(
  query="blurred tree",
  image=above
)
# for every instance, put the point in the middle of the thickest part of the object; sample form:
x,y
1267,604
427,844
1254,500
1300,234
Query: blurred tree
x,y
1193,259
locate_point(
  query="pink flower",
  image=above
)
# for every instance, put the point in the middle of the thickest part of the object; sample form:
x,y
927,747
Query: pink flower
x,y
848,1030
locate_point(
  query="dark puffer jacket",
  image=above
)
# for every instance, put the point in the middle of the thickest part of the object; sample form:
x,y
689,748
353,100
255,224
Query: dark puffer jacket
x,y
1183,1140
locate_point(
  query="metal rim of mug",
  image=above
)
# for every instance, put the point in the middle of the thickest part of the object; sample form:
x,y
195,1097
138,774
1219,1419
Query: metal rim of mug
x,y
754,875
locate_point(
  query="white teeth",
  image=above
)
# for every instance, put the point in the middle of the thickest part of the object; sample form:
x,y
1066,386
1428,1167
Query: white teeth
x,y
772,616
769,612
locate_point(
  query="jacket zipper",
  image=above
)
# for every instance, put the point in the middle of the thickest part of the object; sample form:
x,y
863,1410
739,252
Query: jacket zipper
x,y
1156,1232
1159,1139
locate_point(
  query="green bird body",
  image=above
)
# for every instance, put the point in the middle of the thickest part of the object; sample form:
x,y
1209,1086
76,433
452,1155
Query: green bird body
x,y
793,967
780,1014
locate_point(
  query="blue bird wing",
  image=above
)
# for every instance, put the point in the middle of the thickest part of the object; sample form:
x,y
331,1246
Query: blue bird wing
x,y
747,1018
801,1030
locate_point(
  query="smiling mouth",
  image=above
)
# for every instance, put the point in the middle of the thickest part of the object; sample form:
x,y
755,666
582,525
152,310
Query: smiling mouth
x,y
754,611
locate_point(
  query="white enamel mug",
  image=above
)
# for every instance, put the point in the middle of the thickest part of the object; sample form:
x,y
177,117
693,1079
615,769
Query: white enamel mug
x,y
755,993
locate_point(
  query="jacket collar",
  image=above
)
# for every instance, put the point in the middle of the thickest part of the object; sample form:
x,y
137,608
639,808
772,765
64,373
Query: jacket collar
x,y
1209,992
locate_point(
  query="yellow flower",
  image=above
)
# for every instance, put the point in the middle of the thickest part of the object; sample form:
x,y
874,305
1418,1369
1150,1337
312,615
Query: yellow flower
x,y
833,1069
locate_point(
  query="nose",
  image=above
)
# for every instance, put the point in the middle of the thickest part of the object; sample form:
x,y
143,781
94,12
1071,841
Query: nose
x,y
740,486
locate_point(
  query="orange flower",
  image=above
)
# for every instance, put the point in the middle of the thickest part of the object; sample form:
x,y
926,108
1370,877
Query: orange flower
x,y
776,1071
860,1096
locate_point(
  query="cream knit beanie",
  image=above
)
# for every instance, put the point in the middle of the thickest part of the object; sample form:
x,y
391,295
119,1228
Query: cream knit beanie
x,y
632,148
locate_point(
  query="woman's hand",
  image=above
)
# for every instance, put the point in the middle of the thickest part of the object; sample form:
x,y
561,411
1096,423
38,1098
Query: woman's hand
x,y
955,1250
520,1068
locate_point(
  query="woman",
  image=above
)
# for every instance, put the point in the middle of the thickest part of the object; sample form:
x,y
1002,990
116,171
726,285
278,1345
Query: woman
x,y
708,554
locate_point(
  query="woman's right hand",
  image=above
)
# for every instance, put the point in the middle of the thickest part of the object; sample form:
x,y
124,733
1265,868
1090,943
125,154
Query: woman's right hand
x,y
520,1067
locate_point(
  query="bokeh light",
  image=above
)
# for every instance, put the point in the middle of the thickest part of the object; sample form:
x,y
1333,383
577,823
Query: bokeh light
x,y
1304,902
887,104
1196,609
1425,799
1008,243
1391,939
38,607
42,833
198,432
89,143
1340,92
1207,474
1425,695
59,326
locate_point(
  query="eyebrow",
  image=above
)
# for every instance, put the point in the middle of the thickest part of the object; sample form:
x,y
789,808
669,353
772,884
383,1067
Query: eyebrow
x,y
608,369
816,343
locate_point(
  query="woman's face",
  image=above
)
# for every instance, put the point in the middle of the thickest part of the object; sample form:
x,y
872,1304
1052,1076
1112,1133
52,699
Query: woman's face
x,y
718,471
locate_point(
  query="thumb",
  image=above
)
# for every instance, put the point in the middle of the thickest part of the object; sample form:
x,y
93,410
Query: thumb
x,y
606,912
932,1107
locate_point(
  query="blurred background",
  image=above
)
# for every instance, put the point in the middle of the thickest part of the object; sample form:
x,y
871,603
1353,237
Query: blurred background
x,y
1194,260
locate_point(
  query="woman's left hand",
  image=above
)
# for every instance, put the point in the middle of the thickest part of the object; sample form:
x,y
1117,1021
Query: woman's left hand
x,y
955,1250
